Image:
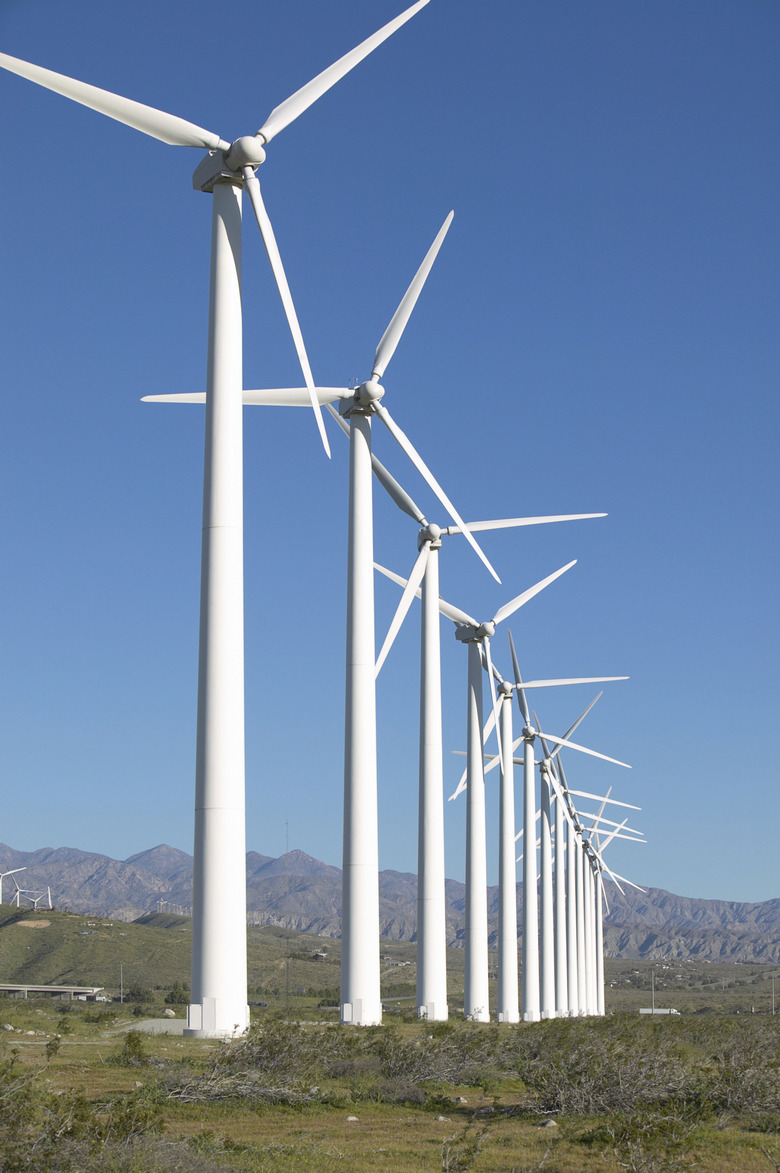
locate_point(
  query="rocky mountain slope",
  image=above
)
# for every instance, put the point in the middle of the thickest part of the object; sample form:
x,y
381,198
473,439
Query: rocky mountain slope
x,y
298,892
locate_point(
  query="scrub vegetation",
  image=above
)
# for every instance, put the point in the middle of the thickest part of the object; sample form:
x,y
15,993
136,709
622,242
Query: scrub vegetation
x,y
84,1090
86,1093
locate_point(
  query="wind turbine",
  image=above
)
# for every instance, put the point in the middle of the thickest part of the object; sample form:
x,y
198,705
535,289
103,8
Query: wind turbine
x,y
582,931
12,872
361,1003
423,582
219,1003
508,1010
477,637
531,996
43,896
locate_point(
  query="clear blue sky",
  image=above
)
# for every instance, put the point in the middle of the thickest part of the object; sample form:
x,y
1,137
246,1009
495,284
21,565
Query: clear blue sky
x,y
599,333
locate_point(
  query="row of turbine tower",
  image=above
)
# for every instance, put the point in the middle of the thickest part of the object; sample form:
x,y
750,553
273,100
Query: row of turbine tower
x,y
219,962
562,938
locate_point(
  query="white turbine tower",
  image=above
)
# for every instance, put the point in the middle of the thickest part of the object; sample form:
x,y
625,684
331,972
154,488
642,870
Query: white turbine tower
x,y
219,1006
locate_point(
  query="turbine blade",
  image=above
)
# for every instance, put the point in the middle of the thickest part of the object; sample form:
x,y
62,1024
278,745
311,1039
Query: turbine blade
x,y
570,680
581,748
392,335
409,591
513,522
177,132
405,443
509,608
610,823
282,115
269,240
453,613
630,883
267,397
521,700
487,730
611,875
540,735
579,721
491,668
604,803
397,493
599,797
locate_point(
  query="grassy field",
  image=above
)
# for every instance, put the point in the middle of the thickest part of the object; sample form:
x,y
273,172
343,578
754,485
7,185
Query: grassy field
x,y
81,1090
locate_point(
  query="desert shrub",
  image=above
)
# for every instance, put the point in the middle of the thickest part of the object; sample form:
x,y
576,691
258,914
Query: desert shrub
x,y
42,1132
138,993
649,1141
588,1066
133,1052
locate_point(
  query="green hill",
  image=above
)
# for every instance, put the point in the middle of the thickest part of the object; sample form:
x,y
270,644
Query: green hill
x,y
62,948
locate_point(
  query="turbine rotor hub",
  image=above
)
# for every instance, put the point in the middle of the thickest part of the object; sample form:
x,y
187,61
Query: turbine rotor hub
x,y
505,688
369,393
529,733
429,533
486,630
246,151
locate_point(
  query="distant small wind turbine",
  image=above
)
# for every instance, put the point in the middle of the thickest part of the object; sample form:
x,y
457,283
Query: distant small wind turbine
x,y
12,872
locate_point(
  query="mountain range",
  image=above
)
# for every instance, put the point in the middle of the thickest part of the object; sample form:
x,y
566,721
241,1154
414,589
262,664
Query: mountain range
x,y
298,892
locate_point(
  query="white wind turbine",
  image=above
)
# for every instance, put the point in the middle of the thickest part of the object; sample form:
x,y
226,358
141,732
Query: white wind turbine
x,y
593,847
552,980
423,583
361,1003
537,1000
43,896
576,952
599,867
477,637
3,875
219,1005
360,992
507,994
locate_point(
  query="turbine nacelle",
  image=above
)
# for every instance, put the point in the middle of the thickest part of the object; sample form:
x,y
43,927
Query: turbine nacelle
x,y
469,633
